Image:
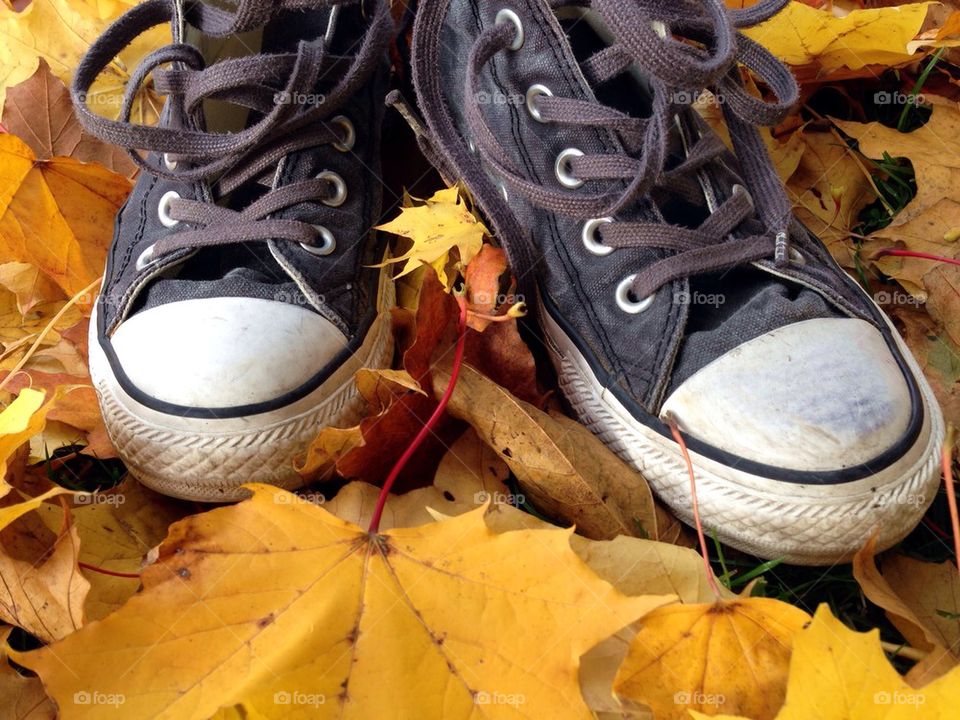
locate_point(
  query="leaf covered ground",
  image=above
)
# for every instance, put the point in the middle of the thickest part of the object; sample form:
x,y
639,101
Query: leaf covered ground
x,y
519,569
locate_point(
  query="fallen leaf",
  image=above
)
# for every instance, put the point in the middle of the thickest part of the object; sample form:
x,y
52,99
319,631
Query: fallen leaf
x,y
829,188
18,422
441,223
839,674
28,285
935,211
724,656
21,696
117,528
932,592
470,474
803,35
61,34
41,591
429,622
562,468
40,112
57,214
879,592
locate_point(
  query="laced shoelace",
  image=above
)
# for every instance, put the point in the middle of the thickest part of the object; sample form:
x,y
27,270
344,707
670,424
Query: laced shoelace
x,y
222,161
682,47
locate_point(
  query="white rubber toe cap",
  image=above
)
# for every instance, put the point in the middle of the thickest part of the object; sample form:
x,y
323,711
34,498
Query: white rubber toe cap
x,y
818,395
224,352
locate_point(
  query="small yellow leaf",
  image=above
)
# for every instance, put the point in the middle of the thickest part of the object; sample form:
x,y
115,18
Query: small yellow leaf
x,y
441,223
279,609
18,422
839,674
800,35
729,655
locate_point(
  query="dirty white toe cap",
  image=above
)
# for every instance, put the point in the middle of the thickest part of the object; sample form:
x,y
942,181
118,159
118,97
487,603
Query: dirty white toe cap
x,y
224,352
817,395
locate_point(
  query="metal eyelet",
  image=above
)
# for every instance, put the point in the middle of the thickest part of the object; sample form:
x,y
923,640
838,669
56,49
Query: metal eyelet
x,y
590,240
169,162
537,91
163,208
738,188
349,132
328,246
562,168
509,16
502,186
625,300
472,146
146,257
339,196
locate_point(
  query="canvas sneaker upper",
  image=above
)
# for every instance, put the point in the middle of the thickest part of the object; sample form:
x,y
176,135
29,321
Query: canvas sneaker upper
x,y
239,278
673,264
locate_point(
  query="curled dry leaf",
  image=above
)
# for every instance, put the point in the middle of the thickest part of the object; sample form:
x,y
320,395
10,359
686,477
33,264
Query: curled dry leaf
x,y
562,468
41,588
922,600
839,674
117,528
724,656
284,598
21,696
469,475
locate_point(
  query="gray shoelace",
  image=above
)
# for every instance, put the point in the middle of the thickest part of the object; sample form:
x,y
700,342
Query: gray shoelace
x,y
698,47
222,162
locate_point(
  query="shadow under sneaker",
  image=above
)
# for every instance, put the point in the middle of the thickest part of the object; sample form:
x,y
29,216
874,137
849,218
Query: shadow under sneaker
x,y
673,281
238,300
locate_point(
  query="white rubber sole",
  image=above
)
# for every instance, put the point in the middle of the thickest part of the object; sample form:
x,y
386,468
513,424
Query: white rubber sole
x,y
803,524
209,459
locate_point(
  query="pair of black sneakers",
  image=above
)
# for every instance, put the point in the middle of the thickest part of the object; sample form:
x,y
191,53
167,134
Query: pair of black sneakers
x,y
671,281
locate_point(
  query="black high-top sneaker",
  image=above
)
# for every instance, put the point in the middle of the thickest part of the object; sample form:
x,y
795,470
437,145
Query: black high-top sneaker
x,y
673,281
238,300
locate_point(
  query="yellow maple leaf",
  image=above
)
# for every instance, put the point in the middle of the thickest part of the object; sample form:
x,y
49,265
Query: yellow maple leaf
x,y
57,214
61,33
729,655
18,422
274,608
441,223
839,674
802,35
